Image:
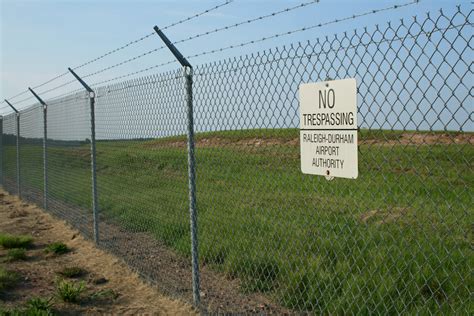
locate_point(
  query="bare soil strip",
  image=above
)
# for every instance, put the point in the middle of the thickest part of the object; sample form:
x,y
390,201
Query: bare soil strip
x,y
408,138
39,271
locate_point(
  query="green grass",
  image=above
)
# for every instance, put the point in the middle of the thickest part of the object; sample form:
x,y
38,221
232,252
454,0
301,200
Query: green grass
x,y
16,254
35,306
396,240
57,248
72,272
8,279
8,241
68,291
104,295
39,306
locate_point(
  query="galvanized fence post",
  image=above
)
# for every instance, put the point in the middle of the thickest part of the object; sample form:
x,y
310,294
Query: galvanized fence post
x,y
45,157
18,172
192,184
94,169
188,75
45,154
17,147
95,205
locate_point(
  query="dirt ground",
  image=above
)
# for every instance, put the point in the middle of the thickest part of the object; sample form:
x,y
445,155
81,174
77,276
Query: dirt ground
x,y
105,273
408,138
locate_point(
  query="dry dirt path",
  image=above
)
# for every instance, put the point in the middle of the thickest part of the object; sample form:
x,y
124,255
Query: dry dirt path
x,y
39,272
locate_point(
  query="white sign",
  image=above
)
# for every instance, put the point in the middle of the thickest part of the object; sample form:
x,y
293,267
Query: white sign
x,y
328,128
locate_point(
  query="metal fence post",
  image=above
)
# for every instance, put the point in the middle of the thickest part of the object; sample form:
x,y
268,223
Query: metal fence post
x,y
18,172
188,74
45,153
45,157
192,183
17,147
94,169
95,205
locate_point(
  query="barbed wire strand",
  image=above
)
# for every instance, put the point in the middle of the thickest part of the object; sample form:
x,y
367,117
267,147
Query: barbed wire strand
x,y
225,28
154,33
125,46
306,28
342,48
354,16
306,55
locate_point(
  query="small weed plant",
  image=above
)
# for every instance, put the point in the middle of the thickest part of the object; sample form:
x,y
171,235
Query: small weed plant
x,y
69,291
16,254
8,241
40,304
105,295
8,279
57,248
34,307
72,272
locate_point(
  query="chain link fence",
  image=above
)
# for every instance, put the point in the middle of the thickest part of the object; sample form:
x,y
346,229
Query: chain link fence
x,y
9,153
31,155
397,240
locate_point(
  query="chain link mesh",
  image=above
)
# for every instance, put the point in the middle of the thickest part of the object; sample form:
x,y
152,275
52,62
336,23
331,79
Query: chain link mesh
x,y
397,240
143,225
9,154
394,241
31,155
69,161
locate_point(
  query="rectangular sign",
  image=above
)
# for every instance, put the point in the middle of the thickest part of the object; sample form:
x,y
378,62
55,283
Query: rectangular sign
x,y
328,128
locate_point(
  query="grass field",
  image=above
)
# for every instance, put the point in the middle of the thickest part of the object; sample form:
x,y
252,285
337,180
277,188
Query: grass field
x,y
396,240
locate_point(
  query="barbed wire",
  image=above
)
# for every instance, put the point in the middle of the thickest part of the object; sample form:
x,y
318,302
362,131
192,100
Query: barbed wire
x,y
135,72
58,87
341,48
225,28
354,16
17,95
24,100
306,28
297,56
123,62
128,86
153,33
198,14
123,47
51,80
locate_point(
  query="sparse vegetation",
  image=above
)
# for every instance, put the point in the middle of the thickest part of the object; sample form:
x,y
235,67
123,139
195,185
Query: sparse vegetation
x,y
10,311
16,254
39,304
8,241
8,279
34,307
69,291
57,248
72,272
104,295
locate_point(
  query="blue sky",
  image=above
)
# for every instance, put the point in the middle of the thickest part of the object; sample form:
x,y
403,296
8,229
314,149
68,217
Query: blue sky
x,y
40,39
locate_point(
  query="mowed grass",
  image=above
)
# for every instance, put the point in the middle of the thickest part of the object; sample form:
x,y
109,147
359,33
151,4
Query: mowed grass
x,y
396,240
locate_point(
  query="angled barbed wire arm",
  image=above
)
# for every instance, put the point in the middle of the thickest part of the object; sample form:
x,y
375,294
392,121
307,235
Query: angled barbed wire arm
x,y
45,148
188,73
95,201
18,172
